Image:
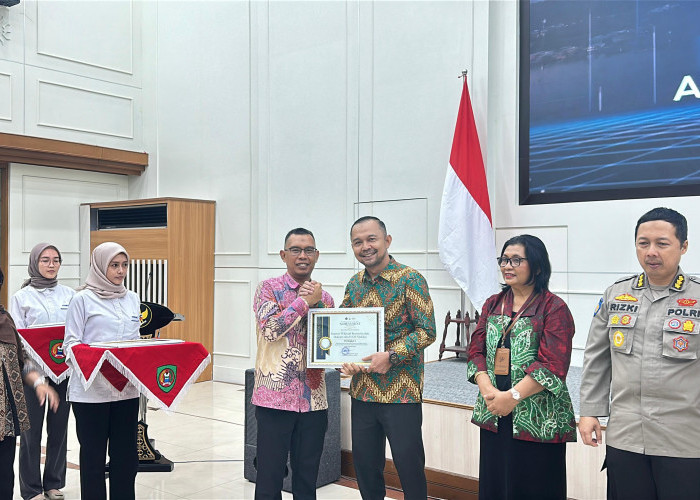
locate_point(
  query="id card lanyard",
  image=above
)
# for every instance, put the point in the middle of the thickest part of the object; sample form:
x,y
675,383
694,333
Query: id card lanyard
x,y
501,364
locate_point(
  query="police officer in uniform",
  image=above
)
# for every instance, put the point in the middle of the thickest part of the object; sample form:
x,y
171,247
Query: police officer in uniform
x,y
641,369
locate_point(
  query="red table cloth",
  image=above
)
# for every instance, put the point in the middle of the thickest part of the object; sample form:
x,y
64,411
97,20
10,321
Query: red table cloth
x,y
161,372
45,347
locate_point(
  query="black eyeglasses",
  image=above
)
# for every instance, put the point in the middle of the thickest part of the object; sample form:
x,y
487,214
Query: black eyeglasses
x,y
513,261
296,251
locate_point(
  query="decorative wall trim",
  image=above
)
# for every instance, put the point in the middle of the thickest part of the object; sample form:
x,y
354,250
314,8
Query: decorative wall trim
x,y
9,79
44,84
53,153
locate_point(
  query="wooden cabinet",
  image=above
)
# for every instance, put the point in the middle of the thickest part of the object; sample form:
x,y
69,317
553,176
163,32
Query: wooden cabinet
x,y
181,233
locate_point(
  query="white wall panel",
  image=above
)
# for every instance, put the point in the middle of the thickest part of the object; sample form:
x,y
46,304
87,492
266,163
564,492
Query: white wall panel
x,y
104,38
84,110
5,97
307,125
204,118
233,319
11,97
12,33
418,51
68,107
44,207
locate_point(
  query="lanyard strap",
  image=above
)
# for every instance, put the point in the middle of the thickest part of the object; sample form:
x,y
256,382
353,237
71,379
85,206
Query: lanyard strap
x,y
510,326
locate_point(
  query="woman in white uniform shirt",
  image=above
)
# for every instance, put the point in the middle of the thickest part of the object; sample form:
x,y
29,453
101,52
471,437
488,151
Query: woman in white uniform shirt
x,y
104,310
42,300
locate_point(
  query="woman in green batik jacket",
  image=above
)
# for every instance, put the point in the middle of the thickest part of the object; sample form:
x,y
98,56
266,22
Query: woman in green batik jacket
x,y
519,356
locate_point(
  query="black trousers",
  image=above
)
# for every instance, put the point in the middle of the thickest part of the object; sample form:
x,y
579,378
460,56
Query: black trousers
x,y
7,462
284,433
97,426
635,476
400,423
512,469
31,483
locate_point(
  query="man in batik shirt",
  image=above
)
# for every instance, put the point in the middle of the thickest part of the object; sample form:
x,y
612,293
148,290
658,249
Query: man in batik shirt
x,y
387,395
290,400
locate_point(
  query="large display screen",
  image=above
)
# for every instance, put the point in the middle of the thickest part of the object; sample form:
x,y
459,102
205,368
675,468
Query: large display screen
x,y
609,99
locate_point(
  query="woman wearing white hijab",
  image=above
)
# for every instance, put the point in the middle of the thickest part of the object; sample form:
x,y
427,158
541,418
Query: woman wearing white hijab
x,y
42,300
104,310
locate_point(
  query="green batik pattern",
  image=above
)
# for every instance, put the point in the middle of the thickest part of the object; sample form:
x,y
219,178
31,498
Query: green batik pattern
x,y
545,416
494,332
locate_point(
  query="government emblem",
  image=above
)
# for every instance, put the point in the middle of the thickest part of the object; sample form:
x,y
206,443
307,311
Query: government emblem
x,y
626,319
56,351
688,326
675,323
618,338
615,320
166,376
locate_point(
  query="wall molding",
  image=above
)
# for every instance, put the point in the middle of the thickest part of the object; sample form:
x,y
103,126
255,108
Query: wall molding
x,y
72,155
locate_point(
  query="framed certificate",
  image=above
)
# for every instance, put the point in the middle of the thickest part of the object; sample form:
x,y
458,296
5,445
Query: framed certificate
x,y
344,335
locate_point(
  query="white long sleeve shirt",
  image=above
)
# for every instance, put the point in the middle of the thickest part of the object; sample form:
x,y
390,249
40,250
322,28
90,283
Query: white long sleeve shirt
x,y
36,306
92,319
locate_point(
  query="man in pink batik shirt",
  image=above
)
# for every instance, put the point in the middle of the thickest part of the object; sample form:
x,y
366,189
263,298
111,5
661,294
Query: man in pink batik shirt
x,y
290,400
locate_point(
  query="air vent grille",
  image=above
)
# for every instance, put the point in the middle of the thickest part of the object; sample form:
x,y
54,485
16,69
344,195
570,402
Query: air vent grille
x,y
132,217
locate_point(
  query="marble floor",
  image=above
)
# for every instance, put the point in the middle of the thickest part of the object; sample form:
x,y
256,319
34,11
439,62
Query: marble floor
x,y
204,437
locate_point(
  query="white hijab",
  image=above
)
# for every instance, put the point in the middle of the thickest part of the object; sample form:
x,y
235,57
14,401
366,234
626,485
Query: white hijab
x,y
97,280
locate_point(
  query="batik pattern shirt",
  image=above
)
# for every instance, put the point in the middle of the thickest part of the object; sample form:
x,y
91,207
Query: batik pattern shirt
x,y
409,327
14,418
282,380
540,346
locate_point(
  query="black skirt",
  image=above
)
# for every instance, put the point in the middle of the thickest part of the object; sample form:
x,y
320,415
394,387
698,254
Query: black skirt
x,y
511,469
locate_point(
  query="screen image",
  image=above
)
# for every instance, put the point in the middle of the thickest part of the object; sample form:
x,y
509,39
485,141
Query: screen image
x,y
609,99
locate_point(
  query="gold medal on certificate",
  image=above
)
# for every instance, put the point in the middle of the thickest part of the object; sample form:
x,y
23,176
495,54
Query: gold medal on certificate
x,y
344,335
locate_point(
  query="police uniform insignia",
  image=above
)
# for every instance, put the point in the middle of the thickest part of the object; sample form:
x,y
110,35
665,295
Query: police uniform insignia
x,y
680,344
687,302
625,320
615,320
626,297
618,338
688,326
640,281
678,284
600,304
675,323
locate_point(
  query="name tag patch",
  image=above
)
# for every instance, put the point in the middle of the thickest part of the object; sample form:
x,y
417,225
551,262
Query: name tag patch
x,y
624,307
682,311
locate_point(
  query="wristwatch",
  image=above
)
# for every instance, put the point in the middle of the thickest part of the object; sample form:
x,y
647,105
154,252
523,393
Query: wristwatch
x,y
393,358
516,394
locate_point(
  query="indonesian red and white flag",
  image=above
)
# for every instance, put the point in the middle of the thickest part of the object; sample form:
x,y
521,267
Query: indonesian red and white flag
x,y
465,238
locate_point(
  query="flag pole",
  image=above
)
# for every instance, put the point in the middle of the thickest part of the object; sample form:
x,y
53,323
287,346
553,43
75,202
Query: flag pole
x,y
462,295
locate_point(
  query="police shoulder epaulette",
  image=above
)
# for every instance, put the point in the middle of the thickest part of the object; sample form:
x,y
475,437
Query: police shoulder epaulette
x,y
626,278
